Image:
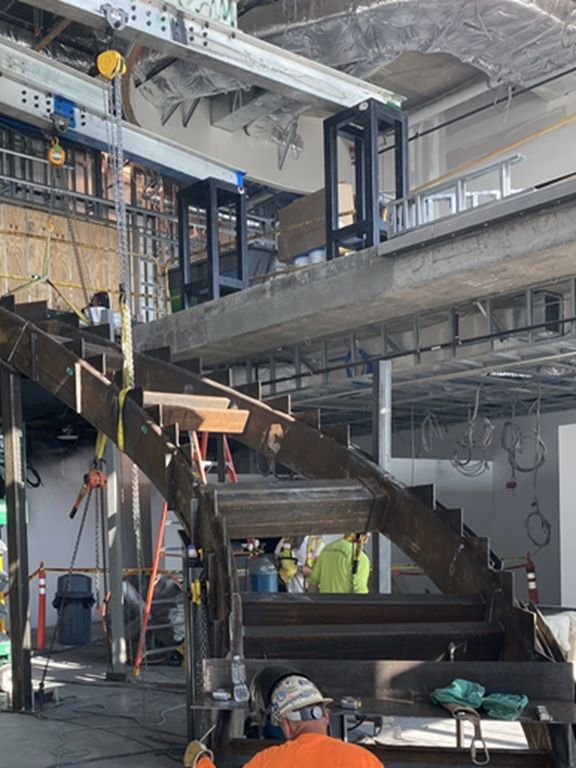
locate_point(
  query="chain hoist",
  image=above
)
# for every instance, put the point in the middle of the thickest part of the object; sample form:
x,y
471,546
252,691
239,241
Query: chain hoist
x,y
112,66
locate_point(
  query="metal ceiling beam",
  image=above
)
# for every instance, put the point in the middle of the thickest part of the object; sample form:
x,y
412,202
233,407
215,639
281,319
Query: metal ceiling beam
x,y
189,37
27,88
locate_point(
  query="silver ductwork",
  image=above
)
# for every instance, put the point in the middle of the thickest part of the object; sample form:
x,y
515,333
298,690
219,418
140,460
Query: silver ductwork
x,y
511,41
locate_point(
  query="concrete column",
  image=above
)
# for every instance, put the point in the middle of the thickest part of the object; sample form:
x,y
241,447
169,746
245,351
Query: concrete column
x,y
117,637
567,518
12,427
381,453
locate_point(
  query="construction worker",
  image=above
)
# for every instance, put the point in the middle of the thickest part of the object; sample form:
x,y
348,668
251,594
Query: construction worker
x,y
342,567
299,709
296,558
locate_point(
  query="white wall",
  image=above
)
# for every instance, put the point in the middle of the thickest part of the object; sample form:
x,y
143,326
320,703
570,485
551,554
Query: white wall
x,y
499,513
547,154
51,533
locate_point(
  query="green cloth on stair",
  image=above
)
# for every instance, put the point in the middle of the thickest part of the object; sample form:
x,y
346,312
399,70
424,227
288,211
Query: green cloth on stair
x,y
504,706
460,692
501,706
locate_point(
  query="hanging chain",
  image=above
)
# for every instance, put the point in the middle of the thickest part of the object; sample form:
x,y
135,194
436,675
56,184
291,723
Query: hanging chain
x,y
97,520
116,154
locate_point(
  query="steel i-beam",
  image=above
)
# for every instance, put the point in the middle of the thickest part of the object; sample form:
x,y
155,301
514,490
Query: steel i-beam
x,y
164,28
30,83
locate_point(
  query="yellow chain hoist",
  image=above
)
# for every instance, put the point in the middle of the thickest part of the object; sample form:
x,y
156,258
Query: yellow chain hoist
x,y
56,154
111,64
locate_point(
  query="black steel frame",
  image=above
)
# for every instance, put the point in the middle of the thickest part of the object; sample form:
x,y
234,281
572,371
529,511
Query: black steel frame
x,y
210,195
363,124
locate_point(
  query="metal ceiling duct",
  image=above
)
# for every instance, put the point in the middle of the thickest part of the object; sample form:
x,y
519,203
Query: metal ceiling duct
x,y
512,41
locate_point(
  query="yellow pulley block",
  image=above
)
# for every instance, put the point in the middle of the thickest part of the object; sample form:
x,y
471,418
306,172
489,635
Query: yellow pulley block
x,y
111,64
56,155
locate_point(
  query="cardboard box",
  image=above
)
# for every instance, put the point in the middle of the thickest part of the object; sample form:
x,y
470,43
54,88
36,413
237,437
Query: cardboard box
x,y
302,223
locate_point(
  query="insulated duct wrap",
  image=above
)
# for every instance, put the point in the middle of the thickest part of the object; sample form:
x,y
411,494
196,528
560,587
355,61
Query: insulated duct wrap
x,y
73,51
512,41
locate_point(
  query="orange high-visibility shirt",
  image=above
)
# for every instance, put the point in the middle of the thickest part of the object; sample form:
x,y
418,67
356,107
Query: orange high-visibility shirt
x,y
310,750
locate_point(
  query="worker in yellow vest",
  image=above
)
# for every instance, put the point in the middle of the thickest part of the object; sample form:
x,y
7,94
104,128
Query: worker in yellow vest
x,y
342,567
296,558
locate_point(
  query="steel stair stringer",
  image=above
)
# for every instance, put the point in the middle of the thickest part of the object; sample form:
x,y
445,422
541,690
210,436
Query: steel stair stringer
x,y
449,559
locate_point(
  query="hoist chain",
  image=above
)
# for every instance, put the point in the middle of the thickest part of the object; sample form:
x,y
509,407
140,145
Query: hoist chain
x,y
116,154
97,521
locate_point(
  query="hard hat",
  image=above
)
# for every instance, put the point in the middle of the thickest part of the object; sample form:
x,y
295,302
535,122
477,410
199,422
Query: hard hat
x,y
262,685
293,693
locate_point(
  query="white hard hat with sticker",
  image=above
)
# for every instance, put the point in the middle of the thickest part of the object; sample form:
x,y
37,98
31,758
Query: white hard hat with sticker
x,y
291,694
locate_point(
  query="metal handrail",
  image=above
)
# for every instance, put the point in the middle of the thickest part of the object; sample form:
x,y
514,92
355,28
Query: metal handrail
x,y
417,210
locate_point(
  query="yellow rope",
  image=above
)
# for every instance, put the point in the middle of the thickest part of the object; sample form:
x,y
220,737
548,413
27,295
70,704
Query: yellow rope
x,y
120,434
101,441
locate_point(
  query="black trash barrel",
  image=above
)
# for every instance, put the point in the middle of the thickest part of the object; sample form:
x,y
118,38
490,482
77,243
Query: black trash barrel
x,y
74,601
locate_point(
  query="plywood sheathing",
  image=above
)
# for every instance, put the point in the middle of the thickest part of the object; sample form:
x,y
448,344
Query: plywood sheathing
x,y
24,235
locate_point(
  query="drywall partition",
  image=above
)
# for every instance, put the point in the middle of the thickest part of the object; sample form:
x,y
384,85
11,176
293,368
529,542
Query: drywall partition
x,y
503,513
51,533
567,513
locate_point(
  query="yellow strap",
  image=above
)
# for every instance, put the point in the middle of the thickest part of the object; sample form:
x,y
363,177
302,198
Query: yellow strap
x,y
125,343
101,440
79,314
121,399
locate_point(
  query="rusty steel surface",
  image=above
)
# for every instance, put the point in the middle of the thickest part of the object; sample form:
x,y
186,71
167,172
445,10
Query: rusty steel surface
x,y
413,756
261,609
457,565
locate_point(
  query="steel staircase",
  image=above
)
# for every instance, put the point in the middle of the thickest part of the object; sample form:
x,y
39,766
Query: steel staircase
x,y
475,629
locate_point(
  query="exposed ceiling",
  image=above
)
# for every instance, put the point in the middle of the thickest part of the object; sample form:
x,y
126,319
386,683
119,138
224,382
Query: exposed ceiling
x,y
425,77
422,49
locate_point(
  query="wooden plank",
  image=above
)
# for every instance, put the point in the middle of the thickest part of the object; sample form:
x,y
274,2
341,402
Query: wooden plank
x,y
227,421
198,419
413,680
146,398
33,243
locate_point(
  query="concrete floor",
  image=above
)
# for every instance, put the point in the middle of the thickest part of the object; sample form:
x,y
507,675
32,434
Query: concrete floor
x,y
96,723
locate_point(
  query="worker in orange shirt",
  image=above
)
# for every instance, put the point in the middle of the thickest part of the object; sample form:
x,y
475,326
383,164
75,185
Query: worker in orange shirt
x,y
299,709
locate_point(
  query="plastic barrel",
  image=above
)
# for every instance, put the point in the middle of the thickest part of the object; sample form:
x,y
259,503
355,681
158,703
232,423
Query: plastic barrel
x,y
74,601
